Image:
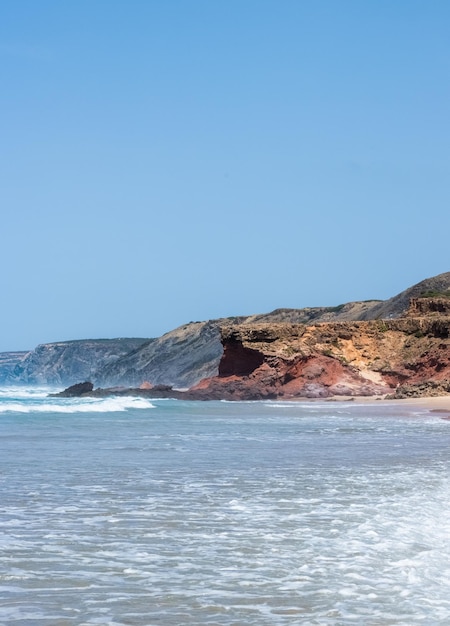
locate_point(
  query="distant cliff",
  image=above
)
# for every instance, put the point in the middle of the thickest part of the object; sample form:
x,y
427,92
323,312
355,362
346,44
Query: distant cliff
x,y
66,362
8,362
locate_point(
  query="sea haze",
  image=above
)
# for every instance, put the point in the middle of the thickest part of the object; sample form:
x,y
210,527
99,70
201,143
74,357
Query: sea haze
x,y
120,511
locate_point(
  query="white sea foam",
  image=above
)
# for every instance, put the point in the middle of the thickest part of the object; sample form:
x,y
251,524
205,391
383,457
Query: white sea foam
x,y
76,405
25,393
260,517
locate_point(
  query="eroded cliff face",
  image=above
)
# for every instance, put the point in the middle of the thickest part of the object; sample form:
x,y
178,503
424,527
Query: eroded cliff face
x,y
179,358
429,307
326,359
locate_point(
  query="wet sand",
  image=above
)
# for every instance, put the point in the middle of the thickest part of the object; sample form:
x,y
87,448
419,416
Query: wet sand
x,y
438,404
435,404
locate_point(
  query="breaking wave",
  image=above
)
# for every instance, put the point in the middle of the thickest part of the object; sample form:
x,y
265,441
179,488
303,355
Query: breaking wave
x,y
26,393
43,404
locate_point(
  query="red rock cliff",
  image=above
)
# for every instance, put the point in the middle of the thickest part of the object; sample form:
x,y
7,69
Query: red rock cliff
x,y
325,359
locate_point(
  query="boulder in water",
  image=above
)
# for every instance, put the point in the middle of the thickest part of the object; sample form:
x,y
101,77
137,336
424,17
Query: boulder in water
x,y
75,391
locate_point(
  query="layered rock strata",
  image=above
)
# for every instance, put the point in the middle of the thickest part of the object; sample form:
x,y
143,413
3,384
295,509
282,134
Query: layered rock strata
x,y
264,361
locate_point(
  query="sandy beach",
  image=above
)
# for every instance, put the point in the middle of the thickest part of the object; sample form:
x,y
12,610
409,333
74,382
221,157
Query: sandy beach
x,y
432,403
439,404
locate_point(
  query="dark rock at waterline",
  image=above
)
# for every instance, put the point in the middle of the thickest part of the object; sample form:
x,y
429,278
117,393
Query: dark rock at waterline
x,y
74,391
86,390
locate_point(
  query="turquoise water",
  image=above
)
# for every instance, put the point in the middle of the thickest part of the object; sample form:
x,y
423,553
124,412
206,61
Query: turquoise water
x,y
130,512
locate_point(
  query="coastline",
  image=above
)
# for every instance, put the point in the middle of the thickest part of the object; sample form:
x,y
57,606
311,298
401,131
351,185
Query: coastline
x,y
435,404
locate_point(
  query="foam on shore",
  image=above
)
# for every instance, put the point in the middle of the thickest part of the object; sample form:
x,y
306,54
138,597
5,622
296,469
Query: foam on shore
x,y
76,405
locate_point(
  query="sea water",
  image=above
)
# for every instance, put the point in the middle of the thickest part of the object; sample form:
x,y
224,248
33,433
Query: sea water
x,y
122,511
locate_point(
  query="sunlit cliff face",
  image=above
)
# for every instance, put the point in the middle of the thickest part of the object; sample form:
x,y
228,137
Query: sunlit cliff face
x,y
325,359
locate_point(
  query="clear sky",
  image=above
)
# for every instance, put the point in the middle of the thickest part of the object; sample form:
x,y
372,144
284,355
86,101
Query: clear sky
x,y
163,161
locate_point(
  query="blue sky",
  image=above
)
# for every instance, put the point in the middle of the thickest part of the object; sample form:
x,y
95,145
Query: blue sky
x,y
163,161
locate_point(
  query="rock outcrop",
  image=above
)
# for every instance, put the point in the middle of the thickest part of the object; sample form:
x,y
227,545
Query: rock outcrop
x,y
433,306
264,361
399,304
419,390
75,391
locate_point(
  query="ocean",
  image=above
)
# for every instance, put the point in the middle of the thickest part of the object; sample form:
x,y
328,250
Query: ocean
x,y
124,511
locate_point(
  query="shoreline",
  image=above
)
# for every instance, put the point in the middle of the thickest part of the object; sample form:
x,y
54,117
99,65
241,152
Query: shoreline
x,y
434,404
439,403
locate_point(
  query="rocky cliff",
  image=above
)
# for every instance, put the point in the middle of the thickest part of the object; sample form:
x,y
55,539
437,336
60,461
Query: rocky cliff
x,y
188,354
263,360
66,362
8,362
402,357
191,352
179,358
